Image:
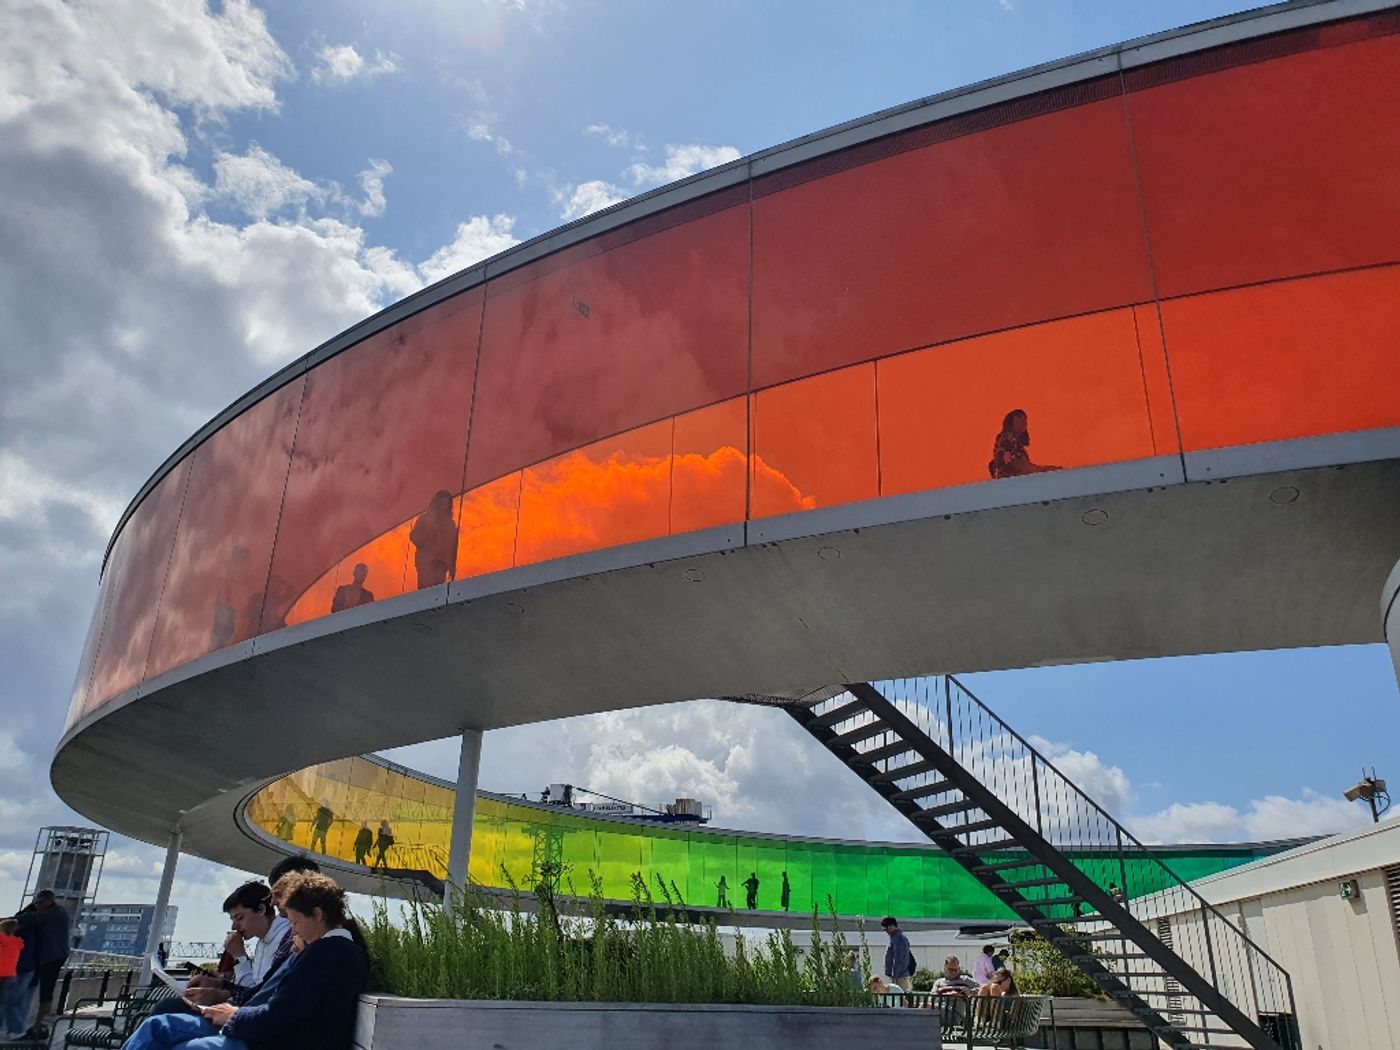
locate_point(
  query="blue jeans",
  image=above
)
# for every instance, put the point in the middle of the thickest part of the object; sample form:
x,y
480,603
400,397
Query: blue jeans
x,y
14,1004
180,1030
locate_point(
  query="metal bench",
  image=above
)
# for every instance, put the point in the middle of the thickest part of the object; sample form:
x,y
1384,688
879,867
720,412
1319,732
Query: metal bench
x,y
977,1020
109,1033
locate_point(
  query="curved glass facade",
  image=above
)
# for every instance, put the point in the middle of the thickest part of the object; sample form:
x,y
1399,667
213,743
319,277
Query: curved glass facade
x,y
344,809
1198,254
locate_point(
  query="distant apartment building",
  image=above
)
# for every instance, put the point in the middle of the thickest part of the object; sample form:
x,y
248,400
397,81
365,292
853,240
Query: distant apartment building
x,y
121,929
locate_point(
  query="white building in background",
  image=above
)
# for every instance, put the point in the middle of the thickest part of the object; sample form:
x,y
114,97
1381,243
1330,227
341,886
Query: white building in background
x,y
1329,914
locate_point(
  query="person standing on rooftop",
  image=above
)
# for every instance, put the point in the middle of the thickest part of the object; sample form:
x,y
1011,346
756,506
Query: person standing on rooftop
x,y
899,957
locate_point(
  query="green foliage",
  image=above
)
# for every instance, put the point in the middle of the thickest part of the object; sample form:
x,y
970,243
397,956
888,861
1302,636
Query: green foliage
x,y
1040,969
652,954
923,980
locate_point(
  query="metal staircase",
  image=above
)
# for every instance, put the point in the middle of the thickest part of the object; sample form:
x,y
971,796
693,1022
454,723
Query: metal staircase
x,y
1057,859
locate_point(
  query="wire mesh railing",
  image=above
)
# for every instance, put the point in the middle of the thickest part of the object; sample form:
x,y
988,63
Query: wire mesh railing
x,y
1123,873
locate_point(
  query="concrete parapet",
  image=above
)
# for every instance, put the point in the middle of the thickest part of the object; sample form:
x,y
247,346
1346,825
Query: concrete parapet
x,y
391,1023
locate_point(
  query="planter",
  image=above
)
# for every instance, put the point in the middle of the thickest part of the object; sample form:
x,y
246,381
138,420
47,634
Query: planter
x,y
390,1023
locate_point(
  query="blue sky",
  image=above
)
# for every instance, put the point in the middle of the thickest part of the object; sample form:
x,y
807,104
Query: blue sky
x,y
195,196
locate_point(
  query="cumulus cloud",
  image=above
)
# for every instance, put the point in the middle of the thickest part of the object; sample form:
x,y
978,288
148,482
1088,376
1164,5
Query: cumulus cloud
x,y
575,200
680,162
588,197
260,184
342,63
372,184
614,136
480,237
138,296
1263,819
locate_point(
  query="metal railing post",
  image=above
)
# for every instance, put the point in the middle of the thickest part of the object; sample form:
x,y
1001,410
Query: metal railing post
x,y
1210,949
102,987
1035,788
63,992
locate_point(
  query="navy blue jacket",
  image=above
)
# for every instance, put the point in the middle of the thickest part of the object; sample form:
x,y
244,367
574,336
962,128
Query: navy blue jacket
x,y
309,1003
899,957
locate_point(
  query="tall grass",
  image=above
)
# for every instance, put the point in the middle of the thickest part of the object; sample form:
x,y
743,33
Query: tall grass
x,y
481,950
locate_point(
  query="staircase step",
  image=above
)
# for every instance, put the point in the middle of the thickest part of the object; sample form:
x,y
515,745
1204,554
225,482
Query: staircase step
x,y
855,736
988,847
909,769
1021,884
839,714
976,825
1048,902
962,805
884,751
938,787
1005,865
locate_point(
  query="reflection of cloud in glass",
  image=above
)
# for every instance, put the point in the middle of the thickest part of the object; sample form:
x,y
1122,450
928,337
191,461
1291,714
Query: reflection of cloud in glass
x,y
577,502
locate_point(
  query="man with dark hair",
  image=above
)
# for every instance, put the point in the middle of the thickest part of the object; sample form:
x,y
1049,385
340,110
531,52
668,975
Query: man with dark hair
x,y
899,957
289,864
48,920
252,914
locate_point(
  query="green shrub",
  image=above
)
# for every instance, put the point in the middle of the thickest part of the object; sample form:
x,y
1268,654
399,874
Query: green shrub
x,y
1040,969
923,980
651,955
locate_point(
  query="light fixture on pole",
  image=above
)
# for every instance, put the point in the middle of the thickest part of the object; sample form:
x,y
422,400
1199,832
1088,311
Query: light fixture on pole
x,y
1373,791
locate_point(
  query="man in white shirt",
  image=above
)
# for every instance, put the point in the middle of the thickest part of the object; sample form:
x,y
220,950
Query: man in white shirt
x,y
251,911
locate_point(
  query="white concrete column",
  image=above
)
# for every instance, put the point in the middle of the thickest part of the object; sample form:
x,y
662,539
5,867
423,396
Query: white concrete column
x,y
1390,616
167,879
463,811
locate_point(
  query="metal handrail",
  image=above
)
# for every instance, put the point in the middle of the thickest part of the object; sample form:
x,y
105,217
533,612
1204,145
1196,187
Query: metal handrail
x,y
1128,835
1013,764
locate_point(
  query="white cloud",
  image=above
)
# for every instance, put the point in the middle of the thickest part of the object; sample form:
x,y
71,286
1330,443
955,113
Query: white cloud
x,y
481,128
681,162
260,184
614,136
480,237
588,197
192,288
342,63
372,183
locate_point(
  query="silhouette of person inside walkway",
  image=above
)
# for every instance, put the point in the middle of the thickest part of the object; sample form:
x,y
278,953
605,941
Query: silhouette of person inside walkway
x,y
751,890
349,595
383,842
434,539
1009,456
785,894
320,824
364,842
723,886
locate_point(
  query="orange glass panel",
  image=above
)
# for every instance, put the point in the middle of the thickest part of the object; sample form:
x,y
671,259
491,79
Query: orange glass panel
x,y
107,588
145,556
603,495
1156,381
1287,360
578,349
707,477
1079,382
1272,169
379,455
814,443
1024,222
219,564
489,515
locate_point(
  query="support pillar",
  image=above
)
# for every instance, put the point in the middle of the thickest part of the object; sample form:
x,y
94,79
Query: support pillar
x,y
167,879
463,812
1390,616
